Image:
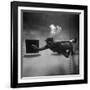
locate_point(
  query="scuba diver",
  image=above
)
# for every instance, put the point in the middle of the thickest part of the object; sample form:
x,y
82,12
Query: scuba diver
x,y
61,47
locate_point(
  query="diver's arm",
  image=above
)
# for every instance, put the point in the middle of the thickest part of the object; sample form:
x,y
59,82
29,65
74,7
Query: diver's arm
x,y
40,49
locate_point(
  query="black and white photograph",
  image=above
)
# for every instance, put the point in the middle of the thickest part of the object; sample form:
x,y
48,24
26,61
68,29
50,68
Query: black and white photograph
x,y
50,44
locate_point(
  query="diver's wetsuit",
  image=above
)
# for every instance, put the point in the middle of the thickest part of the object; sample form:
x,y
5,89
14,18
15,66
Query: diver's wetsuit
x,y
60,47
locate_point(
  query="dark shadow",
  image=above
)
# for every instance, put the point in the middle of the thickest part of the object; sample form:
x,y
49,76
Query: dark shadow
x,y
31,56
56,54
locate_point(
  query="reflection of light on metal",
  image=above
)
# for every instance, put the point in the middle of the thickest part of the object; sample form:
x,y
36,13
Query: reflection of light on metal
x,y
54,30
